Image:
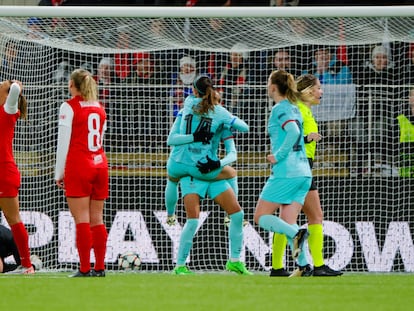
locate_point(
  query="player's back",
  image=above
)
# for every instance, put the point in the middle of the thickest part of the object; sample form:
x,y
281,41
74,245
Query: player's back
x,y
88,127
7,124
213,122
295,163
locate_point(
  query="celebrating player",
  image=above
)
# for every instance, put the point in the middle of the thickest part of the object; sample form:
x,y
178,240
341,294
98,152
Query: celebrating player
x,y
13,106
82,169
290,180
192,154
220,191
310,88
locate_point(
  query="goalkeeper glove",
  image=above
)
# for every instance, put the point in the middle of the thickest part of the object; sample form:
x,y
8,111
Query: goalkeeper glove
x,y
207,167
202,136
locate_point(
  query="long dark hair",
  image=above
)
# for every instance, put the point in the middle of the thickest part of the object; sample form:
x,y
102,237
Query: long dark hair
x,y
205,89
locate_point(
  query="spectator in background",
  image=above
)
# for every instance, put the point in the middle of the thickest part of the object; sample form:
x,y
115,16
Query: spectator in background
x,y
60,78
327,68
143,70
109,96
105,80
35,28
233,90
146,93
406,131
379,69
61,75
233,77
282,60
376,105
9,66
88,67
407,72
122,60
182,83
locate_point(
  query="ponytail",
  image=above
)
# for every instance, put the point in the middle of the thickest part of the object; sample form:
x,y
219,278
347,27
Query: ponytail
x,y
204,86
85,83
22,106
285,84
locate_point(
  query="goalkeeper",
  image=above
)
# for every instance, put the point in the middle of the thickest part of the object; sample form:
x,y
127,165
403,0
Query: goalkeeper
x,y
192,152
310,88
8,248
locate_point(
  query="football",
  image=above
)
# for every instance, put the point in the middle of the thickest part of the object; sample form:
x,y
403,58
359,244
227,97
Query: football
x,y
129,261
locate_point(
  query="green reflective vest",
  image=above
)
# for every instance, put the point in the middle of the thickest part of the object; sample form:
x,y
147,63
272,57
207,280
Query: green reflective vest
x,y
406,136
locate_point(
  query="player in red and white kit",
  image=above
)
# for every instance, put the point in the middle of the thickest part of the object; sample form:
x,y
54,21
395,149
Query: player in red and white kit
x,y
82,169
13,106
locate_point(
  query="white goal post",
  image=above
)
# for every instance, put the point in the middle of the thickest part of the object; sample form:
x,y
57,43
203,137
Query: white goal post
x,y
144,59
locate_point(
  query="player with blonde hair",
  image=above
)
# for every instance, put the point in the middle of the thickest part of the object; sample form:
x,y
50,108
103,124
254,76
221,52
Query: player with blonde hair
x,y
82,169
287,186
311,92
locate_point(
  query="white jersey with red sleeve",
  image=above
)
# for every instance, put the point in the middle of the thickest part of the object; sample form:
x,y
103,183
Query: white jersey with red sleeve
x,y
81,129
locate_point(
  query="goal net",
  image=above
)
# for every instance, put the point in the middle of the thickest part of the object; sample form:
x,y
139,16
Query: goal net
x,y
145,59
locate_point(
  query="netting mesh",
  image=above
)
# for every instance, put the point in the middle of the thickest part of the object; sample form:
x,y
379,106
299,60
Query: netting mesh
x,y
144,68
212,34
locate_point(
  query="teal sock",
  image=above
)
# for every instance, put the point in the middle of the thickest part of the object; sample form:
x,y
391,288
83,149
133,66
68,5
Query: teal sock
x,y
186,240
275,224
301,261
236,234
171,197
234,185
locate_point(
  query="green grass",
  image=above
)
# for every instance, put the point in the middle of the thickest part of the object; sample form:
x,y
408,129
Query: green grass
x,y
205,291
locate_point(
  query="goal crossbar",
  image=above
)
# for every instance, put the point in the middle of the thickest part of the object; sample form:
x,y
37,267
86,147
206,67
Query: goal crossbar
x,y
184,12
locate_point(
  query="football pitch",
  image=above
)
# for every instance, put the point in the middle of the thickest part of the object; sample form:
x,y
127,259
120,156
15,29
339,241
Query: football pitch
x,y
206,291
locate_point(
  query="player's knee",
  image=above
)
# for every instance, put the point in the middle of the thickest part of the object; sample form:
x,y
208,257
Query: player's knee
x,y
228,172
173,179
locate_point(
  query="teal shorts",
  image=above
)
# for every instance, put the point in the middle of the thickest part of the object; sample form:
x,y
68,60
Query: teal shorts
x,y
286,190
203,188
178,170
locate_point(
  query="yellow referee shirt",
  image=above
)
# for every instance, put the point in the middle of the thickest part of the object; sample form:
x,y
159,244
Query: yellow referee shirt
x,y
309,126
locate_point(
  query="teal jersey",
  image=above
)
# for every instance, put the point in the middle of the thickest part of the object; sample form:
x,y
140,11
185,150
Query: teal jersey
x,y
191,101
214,121
285,130
226,136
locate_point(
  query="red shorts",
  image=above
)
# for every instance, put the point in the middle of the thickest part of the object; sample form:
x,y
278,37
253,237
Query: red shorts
x,y
81,182
9,180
